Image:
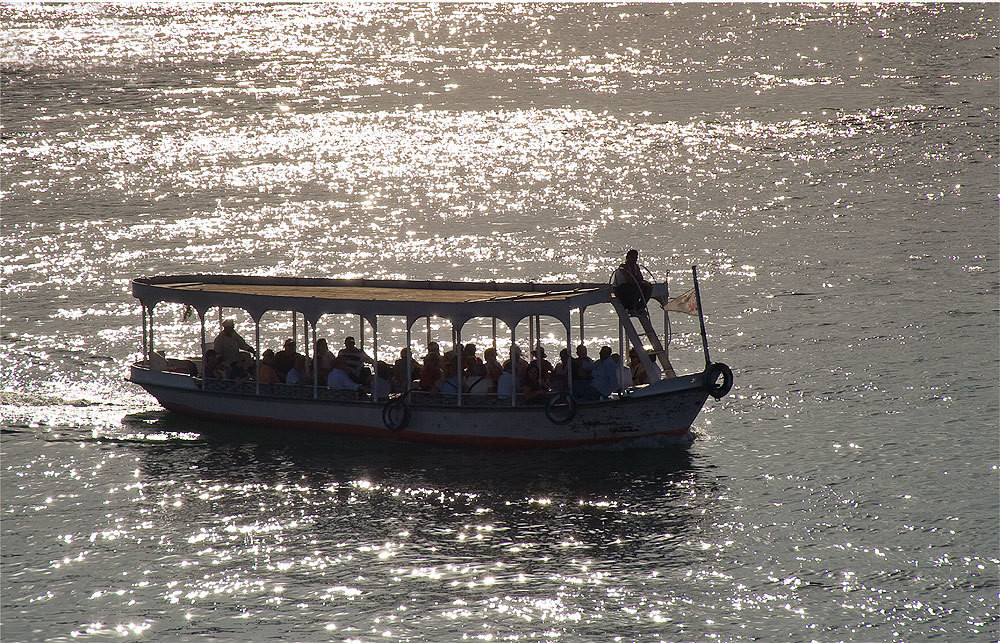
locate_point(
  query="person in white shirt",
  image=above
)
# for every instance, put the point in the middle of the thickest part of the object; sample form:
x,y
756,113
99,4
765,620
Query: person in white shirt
x,y
623,373
631,287
354,361
505,385
340,379
228,344
382,381
605,373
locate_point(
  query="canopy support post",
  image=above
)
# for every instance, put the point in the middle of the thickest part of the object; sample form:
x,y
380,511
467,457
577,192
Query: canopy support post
x,y
409,362
458,359
538,335
374,356
513,365
150,356
569,358
621,358
531,337
145,344
315,366
201,318
256,348
305,337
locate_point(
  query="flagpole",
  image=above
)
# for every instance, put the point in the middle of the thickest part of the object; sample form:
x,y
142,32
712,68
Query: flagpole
x,y
666,319
701,316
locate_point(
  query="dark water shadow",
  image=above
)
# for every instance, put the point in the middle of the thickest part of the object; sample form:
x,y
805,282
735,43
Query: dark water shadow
x,y
626,498
247,453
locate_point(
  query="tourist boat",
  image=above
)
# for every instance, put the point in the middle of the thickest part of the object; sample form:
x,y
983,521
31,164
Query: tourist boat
x,y
662,409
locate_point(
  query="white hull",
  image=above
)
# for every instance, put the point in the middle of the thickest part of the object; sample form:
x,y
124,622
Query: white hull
x,y
665,409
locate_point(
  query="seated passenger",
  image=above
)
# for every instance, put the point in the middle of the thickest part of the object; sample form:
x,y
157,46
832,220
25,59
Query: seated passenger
x,y
266,373
228,344
475,378
471,364
521,363
482,385
242,369
450,383
623,373
299,373
583,376
430,374
560,374
323,359
210,369
639,375
339,378
354,360
382,381
605,374
532,388
493,368
505,384
544,366
583,366
284,360
630,285
400,382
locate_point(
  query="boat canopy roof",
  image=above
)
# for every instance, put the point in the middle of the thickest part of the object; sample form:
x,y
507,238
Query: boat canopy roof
x,y
458,301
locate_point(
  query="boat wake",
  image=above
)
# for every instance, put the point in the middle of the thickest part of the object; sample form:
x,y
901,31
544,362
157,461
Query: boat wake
x,y
34,410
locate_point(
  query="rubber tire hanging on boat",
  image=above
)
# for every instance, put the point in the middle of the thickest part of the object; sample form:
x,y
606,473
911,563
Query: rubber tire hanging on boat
x,y
718,389
396,414
561,408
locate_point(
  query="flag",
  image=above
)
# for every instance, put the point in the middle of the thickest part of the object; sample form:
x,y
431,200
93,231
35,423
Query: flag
x,y
686,303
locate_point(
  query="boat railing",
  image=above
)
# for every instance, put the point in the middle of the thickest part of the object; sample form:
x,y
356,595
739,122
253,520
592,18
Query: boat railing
x,y
309,392
288,391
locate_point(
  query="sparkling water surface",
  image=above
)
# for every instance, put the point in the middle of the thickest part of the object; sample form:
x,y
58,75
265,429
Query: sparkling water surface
x,y
832,170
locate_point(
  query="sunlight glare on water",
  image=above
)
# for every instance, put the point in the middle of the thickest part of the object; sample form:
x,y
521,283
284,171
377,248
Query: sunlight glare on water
x,y
830,169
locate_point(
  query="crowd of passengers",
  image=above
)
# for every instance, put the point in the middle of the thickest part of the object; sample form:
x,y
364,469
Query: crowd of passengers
x,y
351,369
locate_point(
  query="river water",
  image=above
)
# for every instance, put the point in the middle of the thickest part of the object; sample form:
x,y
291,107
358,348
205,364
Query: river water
x,y
832,170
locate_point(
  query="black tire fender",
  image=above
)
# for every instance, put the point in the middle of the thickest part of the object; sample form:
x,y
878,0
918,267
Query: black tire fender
x,y
561,408
396,414
718,389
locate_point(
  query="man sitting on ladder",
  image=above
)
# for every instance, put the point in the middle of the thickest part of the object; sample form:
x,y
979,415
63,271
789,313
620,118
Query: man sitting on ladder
x,y
630,286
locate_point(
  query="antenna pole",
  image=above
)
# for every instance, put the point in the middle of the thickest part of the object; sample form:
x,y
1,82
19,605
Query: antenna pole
x,y
701,316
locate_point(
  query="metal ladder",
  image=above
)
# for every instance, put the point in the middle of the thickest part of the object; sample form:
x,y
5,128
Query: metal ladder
x,y
635,338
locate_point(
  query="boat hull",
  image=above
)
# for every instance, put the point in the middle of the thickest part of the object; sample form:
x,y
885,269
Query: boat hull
x,y
664,411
